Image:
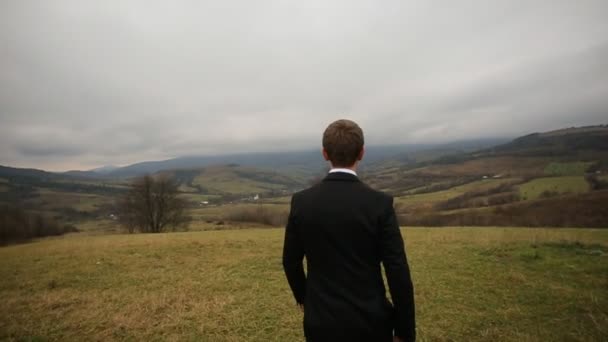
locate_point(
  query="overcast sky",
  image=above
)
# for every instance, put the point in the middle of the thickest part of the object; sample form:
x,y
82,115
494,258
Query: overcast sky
x,y
88,83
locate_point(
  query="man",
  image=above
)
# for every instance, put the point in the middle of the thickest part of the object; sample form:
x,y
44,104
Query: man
x,y
346,229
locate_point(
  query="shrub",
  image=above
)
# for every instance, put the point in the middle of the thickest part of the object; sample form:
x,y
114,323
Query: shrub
x,y
501,194
268,215
16,225
575,210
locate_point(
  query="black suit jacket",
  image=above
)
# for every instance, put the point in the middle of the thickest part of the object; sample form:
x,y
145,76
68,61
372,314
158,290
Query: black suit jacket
x,y
346,229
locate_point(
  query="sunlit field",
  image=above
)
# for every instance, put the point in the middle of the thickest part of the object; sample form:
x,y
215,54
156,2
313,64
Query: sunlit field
x,y
472,284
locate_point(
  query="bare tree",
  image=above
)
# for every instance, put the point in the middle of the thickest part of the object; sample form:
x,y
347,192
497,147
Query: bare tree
x,y
152,205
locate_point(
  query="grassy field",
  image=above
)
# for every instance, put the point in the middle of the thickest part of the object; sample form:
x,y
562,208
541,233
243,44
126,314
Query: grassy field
x,y
567,169
427,200
472,284
49,199
568,184
237,180
504,165
223,213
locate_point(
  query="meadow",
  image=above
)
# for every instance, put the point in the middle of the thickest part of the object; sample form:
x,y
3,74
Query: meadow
x,y
471,284
558,185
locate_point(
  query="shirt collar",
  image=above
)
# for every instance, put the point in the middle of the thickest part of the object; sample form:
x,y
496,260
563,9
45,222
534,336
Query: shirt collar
x,y
340,169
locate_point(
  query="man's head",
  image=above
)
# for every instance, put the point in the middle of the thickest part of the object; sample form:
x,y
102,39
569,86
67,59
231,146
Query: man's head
x,y
343,143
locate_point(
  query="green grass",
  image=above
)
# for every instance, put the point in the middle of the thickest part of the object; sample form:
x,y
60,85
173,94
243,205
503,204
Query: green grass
x,y
277,200
198,198
569,184
438,196
187,189
567,169
237,180
471,284
50,200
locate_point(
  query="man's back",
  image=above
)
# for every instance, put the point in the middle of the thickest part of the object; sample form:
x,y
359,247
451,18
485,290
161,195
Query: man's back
x,y
346,229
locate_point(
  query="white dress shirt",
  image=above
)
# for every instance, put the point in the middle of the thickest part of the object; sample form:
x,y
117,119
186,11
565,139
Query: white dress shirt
x,y
341,169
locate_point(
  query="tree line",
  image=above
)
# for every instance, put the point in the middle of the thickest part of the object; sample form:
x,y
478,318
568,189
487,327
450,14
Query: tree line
x,y
16,225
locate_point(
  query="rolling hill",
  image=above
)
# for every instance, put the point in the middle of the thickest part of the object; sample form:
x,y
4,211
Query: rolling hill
x,y
560,173
306,163
461,183
233,179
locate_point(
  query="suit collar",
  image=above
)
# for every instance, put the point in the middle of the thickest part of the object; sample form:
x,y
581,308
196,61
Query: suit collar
x,y
341,176
341,169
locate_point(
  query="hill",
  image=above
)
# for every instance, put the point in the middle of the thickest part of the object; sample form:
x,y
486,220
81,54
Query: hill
x,y
233,179
536,180
540,154
90,202
7,172
306,163
564,142
433,184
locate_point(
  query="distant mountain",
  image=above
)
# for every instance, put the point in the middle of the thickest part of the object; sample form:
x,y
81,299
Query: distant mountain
x,y
104,169
556,143
302,163
20,173
286,161
96,173
81,174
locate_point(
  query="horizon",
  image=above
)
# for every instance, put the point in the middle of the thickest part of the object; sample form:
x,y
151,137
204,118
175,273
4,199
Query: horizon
x,y
157,81
421,145
299,150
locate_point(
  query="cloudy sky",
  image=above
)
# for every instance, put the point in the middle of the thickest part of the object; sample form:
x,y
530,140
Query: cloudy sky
x,y
88,83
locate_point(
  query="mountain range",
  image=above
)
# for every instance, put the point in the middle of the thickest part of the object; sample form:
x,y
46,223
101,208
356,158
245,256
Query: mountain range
x,y
482,182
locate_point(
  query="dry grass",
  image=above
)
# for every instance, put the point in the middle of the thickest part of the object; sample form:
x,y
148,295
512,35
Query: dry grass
x,y
474,284
506,166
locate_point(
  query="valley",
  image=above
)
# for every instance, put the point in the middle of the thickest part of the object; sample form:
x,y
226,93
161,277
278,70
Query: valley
x,y
549,171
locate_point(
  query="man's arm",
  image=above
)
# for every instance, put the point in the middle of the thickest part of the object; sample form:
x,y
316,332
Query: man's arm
x,y
398,275
293,255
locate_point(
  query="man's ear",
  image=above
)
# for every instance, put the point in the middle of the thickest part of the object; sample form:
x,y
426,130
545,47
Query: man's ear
x,y
325,155
360,156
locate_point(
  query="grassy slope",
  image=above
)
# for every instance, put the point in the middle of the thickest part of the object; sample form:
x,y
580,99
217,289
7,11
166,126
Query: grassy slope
x,y
567,184
201,215
567,169
428,199
471,284
489,166
52,199
239,180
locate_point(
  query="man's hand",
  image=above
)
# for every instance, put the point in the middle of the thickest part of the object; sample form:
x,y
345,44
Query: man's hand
x,y
397,339
301,307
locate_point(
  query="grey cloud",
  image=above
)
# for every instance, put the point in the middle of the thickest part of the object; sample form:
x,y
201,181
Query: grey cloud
x,y
89,83
45,150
